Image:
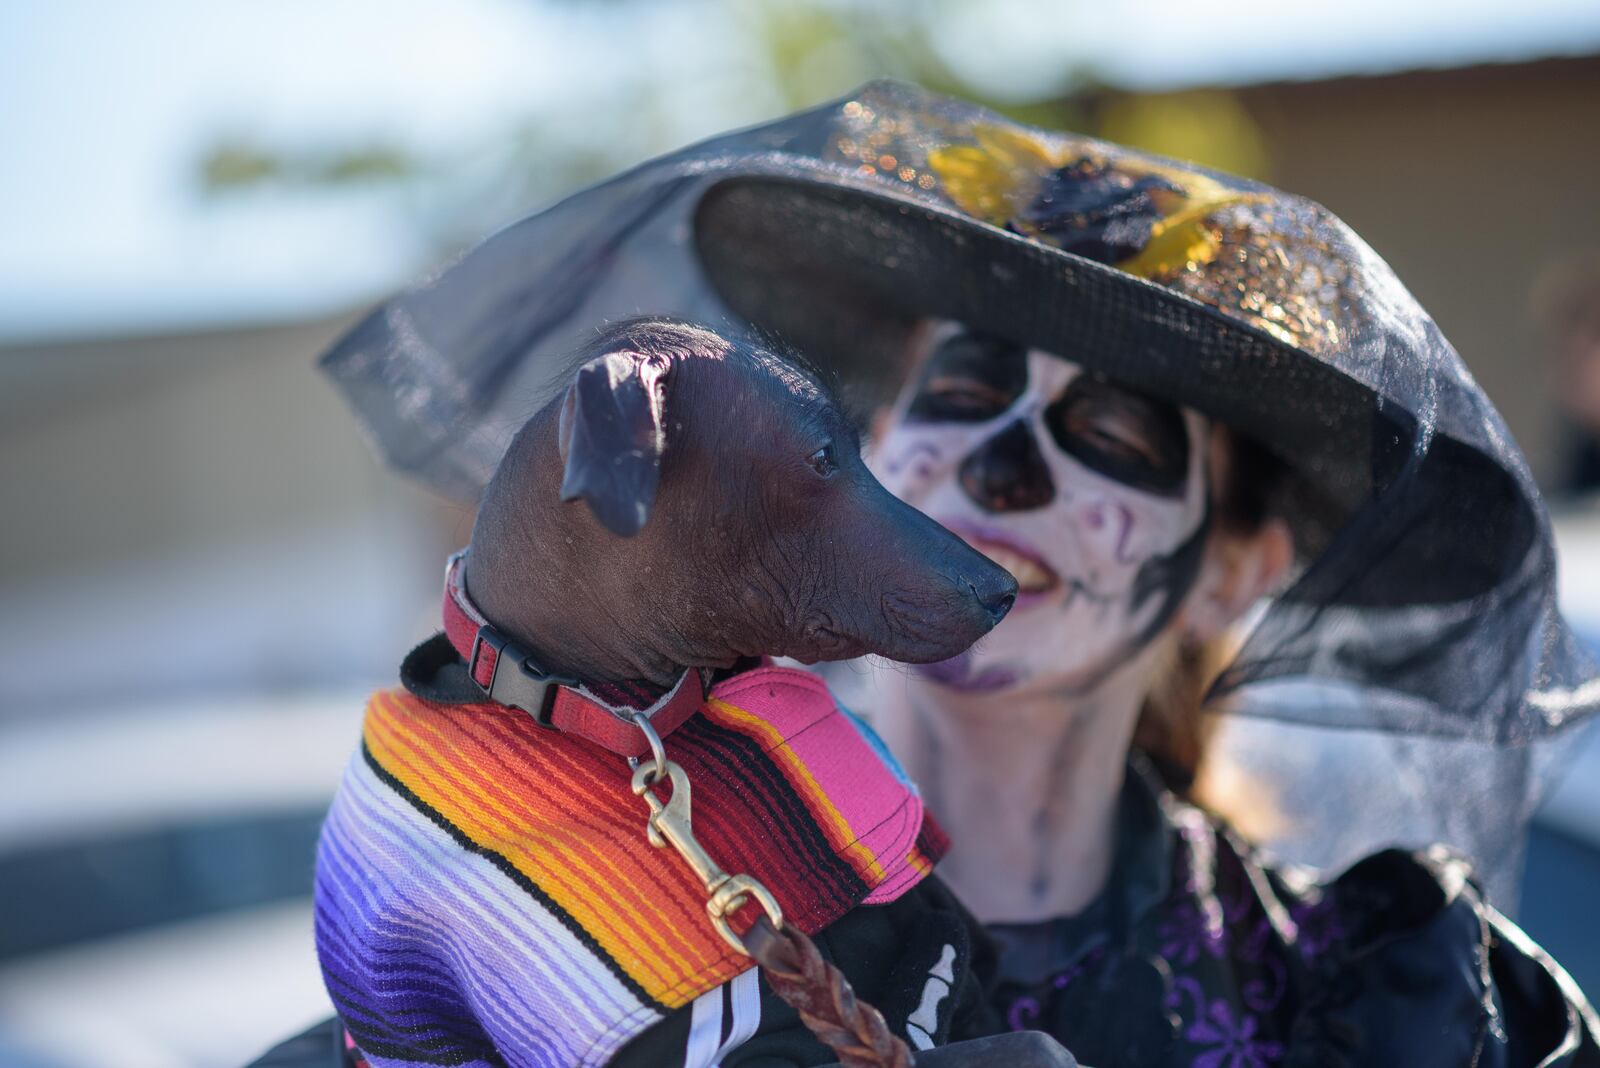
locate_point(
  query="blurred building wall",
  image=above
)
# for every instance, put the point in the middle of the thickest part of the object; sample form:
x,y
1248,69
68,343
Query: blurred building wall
x,y
1468,182
199,512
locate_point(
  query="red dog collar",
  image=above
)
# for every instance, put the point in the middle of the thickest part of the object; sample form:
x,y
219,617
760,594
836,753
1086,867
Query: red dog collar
x,y
509,675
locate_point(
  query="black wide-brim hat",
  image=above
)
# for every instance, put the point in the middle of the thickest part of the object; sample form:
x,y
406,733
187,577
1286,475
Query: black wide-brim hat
x,y
1426,552
1253,306
843,269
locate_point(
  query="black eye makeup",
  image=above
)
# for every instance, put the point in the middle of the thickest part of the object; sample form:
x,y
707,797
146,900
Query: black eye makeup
x,y
969,378
1137,440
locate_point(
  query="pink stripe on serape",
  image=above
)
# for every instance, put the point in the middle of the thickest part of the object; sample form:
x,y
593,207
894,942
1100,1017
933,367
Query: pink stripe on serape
x,y
883,813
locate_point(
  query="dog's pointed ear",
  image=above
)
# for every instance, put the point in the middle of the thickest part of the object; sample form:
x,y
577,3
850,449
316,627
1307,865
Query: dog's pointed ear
x,y
612,436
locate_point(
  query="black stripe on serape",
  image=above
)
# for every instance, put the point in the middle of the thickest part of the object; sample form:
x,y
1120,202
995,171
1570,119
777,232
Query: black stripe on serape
x,y
437,1020
510,871
627,695
369,1037
378,1047
743,757
374,1033
740,758
932,844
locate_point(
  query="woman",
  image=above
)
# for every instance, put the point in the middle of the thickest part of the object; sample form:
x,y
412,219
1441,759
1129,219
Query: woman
x,y
1137,530
1158,394
1132,927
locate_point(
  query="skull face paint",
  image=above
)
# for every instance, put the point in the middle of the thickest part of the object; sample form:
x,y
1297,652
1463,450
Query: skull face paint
x,y
1092,495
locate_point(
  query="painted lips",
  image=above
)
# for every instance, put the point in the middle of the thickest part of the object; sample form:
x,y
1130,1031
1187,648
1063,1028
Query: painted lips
x,y
957,673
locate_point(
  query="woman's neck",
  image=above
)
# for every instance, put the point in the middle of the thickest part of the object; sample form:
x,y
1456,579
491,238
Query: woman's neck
x,y
1027,786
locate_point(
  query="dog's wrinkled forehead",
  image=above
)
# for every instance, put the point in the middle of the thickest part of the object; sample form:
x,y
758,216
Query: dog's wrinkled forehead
x,y
795,379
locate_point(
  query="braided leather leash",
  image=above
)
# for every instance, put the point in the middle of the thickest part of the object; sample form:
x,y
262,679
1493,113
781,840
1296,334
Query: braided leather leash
x,y
818,991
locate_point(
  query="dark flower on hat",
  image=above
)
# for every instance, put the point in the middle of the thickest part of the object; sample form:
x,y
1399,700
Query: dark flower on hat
x,y
1143,220
1244,252
1094,210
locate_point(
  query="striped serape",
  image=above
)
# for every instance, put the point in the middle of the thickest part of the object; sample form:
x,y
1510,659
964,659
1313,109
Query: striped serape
x,y
486,893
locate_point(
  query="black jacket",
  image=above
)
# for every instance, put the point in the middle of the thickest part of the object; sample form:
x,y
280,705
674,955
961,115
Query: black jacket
x,y
1200,954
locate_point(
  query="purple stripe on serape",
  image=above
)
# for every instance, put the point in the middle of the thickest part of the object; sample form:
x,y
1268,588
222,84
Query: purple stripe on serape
x,y
417,921
416,913
419,938
483,892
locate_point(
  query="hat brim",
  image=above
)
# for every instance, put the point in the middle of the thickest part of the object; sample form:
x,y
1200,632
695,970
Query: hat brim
x,y
843,271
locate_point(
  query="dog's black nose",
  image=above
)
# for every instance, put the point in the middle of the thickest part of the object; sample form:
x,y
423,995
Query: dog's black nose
x,y
996,598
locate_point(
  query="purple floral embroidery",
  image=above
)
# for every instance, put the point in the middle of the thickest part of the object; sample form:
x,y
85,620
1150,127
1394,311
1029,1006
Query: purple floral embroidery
x,y
1233,1041
1260,941
1265,994
1187,932
1319,926
1259,947
1182,985
1022,1013
1236,912
1065,978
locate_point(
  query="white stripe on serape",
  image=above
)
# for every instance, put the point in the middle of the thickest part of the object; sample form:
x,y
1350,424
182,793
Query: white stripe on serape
x,y
704,1050
744,992
705,1030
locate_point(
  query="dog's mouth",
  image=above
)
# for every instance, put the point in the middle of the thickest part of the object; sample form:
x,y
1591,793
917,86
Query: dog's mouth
x,y
1035,578
825,643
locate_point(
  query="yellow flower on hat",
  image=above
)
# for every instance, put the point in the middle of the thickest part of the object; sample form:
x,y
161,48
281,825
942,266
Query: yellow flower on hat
x,y
998,179
995,178
1184,238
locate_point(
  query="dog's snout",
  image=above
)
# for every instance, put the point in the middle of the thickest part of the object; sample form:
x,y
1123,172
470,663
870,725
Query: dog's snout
x,y
998,603
996,593
940,594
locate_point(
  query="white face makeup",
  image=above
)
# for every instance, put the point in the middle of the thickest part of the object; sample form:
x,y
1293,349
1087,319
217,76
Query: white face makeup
x,y
1094,496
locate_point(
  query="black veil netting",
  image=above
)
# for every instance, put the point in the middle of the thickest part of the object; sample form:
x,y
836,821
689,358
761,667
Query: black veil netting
x,y
1412,682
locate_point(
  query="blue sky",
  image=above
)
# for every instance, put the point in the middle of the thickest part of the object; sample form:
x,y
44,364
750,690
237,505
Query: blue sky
x,y
107,106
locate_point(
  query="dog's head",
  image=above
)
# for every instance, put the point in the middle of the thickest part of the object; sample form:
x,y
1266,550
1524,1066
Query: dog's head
x,y
726,512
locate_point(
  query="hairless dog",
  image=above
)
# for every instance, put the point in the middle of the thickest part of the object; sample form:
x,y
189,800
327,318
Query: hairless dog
x,y
729,515
685,506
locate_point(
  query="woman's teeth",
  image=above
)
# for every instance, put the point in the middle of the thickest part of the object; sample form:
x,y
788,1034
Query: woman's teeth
x,y
1031,578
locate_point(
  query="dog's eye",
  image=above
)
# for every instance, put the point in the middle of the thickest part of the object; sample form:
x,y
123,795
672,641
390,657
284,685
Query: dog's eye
x,y
823,462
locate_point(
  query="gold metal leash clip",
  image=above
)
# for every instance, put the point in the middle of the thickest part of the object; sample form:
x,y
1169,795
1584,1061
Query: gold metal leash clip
x,y
669,824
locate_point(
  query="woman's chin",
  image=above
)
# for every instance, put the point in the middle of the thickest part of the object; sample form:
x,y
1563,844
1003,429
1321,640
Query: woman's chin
x,y
961,674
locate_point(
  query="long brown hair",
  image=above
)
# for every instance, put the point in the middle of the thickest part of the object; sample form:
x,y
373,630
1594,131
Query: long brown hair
x,y
1173,730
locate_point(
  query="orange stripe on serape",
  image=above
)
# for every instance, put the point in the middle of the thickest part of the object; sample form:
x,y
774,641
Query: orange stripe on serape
x,y
556,834
503,783
930,846
828,817
621,831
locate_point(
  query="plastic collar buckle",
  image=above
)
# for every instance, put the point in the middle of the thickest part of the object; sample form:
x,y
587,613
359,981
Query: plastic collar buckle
x,y
516,680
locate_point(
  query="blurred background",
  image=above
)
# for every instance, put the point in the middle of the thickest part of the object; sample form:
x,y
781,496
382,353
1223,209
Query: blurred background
x,y
203,571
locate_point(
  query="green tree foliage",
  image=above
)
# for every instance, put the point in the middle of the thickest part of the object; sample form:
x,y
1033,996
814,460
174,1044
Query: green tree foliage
x,y
774,56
